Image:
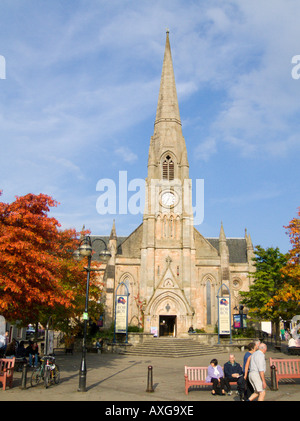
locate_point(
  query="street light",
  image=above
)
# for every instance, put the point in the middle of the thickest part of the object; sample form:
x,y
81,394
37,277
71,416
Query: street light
x,y
85,250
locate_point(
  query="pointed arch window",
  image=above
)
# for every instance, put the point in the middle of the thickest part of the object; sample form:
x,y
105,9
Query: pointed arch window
x,y
208,302
168,168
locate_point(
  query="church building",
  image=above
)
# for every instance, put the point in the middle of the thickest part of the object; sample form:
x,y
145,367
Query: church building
x,y
172,272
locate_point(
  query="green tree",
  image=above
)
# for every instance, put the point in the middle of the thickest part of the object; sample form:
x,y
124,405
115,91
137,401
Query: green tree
x,y
268,280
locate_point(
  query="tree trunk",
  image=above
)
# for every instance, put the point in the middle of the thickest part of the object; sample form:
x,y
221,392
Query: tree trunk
x,y
276,331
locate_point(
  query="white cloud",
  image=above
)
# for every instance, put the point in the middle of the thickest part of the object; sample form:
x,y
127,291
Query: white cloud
x,y
126,154
206,149
261,194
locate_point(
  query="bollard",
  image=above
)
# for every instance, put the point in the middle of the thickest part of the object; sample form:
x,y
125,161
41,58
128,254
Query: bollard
x,y
24,376
273,378
150,380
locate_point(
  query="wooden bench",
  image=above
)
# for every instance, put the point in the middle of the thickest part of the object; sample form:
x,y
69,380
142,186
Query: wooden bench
x,y
195,376
286,368
63,349
294,350
19,362
7,366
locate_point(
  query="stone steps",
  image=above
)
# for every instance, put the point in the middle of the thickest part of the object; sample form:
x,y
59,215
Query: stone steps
x,y
172,348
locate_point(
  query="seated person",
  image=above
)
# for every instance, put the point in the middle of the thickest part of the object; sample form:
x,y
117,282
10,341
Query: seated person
x,y
99,345
216,376
33,353
21,351
11,349
292,343
294,346
3,343
234,373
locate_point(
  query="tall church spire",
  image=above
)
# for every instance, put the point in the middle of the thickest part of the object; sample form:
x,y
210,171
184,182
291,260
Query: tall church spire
x,y
167,107
167,145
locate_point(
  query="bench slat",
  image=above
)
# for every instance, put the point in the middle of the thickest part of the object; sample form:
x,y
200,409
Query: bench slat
x,y
6,371
286,368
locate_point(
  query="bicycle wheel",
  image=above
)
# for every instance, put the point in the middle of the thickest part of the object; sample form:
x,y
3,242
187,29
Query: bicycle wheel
x,y
47,378
36,376
56,374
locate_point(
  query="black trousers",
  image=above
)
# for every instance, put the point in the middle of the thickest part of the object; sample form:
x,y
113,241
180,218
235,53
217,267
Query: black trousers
x,y
249,388
240,384
216,383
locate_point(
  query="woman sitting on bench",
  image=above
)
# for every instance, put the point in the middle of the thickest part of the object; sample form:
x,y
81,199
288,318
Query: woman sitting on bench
x,y
216,376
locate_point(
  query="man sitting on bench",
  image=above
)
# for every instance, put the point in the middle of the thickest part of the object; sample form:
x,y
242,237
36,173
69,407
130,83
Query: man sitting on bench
x,y
234,373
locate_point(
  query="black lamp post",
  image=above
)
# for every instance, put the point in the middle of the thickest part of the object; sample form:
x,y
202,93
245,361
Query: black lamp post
x,y
241,313
85,250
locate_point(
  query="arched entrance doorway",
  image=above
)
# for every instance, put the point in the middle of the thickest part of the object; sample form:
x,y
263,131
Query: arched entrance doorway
x,y
167,325
168,313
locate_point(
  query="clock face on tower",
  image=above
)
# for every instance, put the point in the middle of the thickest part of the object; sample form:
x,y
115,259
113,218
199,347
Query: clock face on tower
x,y
168,199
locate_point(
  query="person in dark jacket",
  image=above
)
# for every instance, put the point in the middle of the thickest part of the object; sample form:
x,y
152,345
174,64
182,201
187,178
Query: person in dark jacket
x,y
32,352
21,351
11,349
234,373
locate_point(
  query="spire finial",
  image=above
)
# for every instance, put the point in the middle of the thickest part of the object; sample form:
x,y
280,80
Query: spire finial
x,y
222,236
113,234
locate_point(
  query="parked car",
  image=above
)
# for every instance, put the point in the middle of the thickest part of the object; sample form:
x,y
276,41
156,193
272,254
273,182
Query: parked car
x,y
30,331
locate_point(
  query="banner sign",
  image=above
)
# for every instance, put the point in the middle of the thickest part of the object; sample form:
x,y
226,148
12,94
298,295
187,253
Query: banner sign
x,y
121,313
153,331
238,323
224,315
49,342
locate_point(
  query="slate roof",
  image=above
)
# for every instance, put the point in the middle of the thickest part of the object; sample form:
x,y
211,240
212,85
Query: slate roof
x,y
237,247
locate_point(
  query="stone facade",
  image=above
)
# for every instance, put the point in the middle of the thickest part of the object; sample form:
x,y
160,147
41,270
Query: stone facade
x,y
172,272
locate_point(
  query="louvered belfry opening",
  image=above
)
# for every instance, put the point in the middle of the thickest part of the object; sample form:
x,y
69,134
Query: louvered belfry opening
x,y
168,168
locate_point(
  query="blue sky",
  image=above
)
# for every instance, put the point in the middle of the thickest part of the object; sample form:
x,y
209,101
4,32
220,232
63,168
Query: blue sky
x,y
79,100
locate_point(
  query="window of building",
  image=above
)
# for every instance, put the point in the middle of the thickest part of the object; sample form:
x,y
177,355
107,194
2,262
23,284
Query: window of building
x,y
208,302
168,168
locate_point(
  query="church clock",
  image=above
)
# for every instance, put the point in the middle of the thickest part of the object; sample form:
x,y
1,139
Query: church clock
x,y
168,199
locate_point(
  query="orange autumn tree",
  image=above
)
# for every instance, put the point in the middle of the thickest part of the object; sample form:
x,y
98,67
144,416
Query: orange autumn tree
x,y
289,295
38,275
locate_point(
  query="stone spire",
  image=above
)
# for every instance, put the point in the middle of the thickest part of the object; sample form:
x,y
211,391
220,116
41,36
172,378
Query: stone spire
x,y
222,236
167,107
224,254
223,248
250,255
112,244
167,139
113,234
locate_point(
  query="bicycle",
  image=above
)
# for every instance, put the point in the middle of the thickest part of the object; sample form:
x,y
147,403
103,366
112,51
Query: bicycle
x,y
48,371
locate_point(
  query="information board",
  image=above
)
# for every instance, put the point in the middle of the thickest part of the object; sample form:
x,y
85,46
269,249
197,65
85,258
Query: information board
x,y
121,314
224,315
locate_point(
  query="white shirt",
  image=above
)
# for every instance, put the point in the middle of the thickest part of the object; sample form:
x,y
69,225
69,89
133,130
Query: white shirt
x,y
216,371
258,361
292,342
